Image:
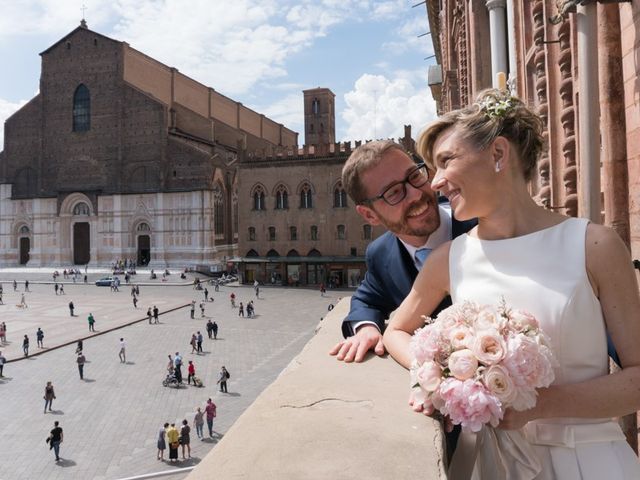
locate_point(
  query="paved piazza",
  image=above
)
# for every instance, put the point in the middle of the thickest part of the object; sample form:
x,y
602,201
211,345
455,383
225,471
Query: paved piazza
x,y
111,419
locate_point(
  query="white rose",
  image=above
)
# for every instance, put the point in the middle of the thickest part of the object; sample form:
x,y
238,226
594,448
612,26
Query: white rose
x,y
463,364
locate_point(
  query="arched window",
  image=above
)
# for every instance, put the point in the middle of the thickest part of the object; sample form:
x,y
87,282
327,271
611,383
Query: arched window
x,y
282,198
293,233
315,106
218,210
306,196
339,197
143,227
258,198
272,253
341,232
293,253
81,109
252,253
366,232
314,253
81,209
272,234
252,234
313,233
24,230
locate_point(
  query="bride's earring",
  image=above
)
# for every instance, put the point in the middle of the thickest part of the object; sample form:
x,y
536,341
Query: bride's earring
x,y
497,167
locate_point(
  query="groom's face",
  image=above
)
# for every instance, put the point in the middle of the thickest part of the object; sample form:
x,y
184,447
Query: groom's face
x,y
415,217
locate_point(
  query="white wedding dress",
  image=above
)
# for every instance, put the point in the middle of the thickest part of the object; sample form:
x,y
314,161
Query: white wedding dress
x,y
545,273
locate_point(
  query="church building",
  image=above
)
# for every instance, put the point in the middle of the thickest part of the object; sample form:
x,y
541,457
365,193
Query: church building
x,y
119,156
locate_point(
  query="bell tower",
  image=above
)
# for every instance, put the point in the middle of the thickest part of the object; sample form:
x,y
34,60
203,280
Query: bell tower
x,y
319,116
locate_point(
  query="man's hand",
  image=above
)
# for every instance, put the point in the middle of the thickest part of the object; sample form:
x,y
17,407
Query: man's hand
x,y
367,337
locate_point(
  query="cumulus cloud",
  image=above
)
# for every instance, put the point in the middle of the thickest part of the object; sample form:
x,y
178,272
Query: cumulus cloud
x,y
407,38
379,106
288,110
6,110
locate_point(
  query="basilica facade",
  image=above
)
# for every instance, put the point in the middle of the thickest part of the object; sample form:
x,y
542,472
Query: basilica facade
x,y
121,157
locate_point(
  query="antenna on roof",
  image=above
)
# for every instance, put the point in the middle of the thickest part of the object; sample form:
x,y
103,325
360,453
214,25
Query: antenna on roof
x,y
83,22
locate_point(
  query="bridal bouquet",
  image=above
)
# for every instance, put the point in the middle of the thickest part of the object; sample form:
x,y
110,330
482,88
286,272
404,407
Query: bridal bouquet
x,y
474,361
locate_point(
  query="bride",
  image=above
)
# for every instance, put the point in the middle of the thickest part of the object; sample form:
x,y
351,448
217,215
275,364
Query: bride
x,y
575,277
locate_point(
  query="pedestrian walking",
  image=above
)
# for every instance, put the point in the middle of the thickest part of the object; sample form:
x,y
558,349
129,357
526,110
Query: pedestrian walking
x,y
323,289
3,332
191,370
49,396
91,322
199,339
55,439
40,338
257,292
206,294
173,438
71,308
162,444
241,310
26,285
185,438
3,360
156,312
177,363
62,291
232,297
198,421
25,346
15,286
222,379
23,301
79,346
210,410
194,343
81,361
55,287
214,329
193,309
149,315
202,309
209,329
135,302
86,280
122,355
138,290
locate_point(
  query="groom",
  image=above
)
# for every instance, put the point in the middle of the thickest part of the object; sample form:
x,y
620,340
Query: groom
x,y
389,188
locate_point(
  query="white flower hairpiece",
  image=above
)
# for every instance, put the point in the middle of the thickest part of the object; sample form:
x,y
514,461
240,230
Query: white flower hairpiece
x,y
495,108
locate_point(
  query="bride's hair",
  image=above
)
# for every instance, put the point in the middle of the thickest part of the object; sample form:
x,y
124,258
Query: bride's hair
x,y
495,113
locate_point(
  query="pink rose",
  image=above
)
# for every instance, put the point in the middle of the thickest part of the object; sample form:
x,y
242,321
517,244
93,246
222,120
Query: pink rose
x,y
497,380
468,403
489,347
488,319
522,321
426,343
529,364
463,364
461,337
428,375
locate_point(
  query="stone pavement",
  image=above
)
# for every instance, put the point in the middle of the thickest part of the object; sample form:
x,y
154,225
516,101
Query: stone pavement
x,y
111,419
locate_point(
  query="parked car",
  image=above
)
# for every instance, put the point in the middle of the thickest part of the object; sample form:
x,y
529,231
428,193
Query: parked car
x,y
105,282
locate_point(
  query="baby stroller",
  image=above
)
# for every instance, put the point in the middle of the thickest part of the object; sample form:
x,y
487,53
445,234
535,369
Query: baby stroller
x,y
171,381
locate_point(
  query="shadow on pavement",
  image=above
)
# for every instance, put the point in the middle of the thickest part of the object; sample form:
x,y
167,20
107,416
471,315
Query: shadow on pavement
x,y
5,379
231,394
56,412
89,380
129,363
65,462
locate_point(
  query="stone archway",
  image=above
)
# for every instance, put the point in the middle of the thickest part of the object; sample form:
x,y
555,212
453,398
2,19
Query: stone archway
x,y
25,247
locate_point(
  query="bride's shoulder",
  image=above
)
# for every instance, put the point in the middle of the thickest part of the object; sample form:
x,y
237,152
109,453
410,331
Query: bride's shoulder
x,y
605,249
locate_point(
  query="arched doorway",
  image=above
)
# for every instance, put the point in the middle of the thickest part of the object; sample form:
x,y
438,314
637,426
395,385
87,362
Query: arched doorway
x,y
81,243
25,245
144,244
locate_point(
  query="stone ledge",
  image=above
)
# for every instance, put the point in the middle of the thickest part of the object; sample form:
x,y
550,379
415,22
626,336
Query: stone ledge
x,y
323,419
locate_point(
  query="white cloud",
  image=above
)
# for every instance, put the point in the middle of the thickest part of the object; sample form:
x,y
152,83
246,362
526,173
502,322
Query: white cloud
x,y
288,110
6,110
407,37
379,107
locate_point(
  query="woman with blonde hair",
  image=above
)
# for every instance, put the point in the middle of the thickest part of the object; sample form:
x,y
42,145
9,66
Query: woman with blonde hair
x,y
574,276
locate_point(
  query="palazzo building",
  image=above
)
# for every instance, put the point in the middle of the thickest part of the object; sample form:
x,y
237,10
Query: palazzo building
x,y
119,156
577,62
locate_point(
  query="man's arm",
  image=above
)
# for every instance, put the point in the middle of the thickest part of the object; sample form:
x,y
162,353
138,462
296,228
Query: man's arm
x,y
371,305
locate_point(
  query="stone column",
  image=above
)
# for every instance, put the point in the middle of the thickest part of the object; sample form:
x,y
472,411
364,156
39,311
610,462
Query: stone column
x,y
498,27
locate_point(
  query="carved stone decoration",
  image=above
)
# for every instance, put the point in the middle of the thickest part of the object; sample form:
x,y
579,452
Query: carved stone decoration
x,y
567,117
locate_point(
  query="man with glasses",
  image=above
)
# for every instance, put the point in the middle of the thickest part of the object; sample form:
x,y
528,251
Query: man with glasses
x,y
391,188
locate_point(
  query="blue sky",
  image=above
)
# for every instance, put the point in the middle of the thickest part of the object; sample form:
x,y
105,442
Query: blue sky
x,y
262,53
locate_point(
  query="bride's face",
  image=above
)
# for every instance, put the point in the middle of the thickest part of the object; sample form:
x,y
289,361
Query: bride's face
x,y
464,174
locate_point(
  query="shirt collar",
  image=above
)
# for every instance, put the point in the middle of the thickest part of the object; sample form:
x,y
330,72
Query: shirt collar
x,y
437,238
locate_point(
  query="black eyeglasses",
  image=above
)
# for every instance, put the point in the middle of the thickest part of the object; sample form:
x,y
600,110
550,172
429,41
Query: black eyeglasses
x,y
396,192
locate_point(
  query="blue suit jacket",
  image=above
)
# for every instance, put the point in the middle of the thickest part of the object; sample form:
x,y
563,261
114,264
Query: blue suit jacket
x,y
389,278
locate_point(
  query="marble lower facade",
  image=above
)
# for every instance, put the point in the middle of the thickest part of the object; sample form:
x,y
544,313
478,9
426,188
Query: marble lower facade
x,y
159,229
